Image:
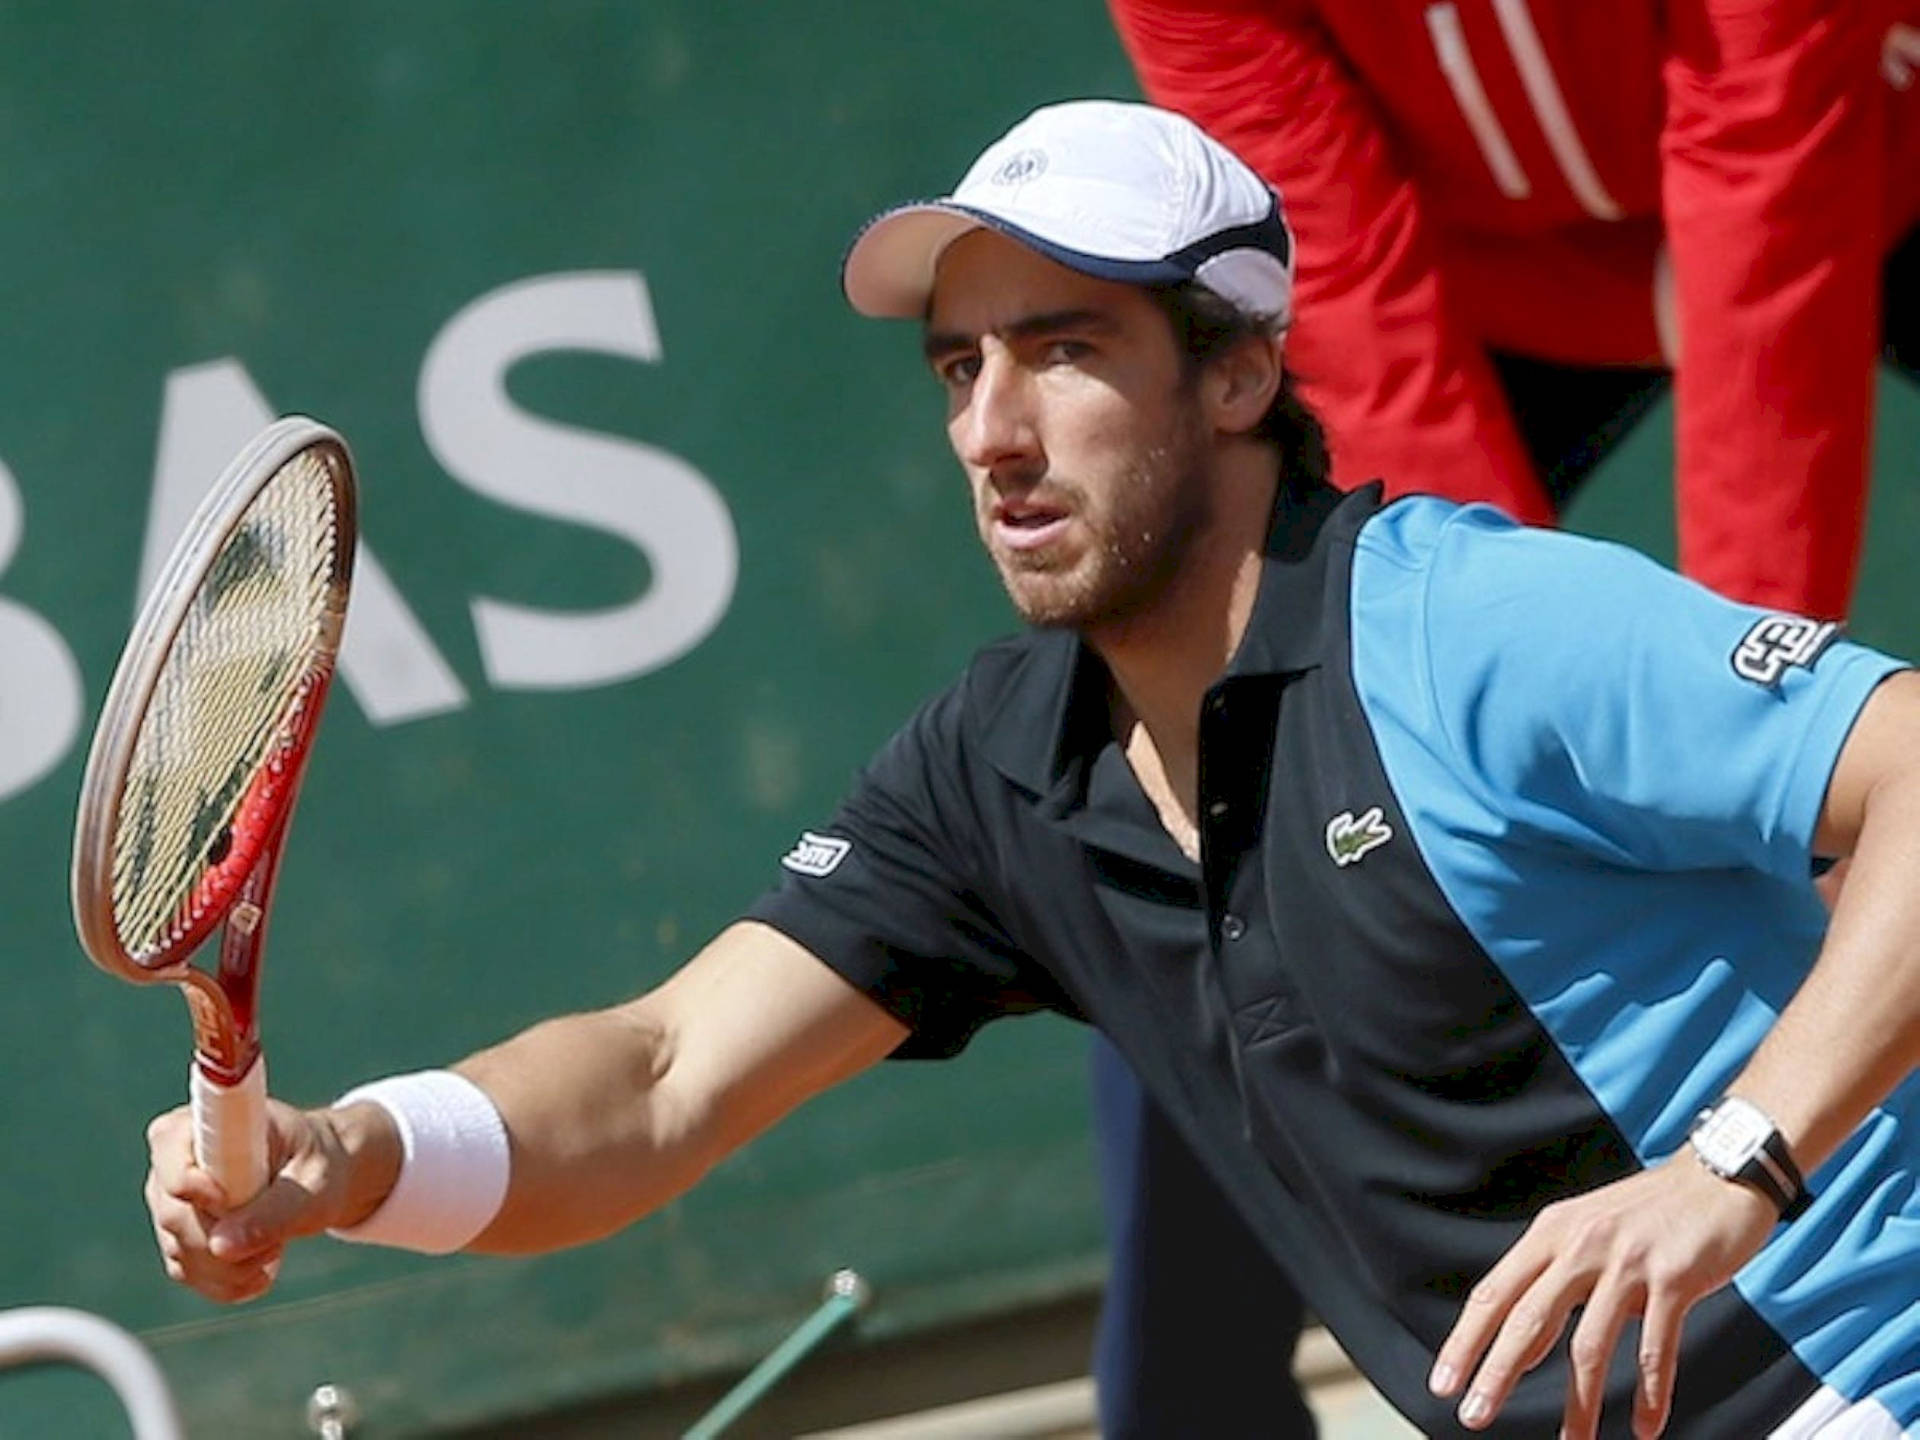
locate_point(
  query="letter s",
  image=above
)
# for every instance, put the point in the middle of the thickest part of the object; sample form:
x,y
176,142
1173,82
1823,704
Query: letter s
x,y
656,501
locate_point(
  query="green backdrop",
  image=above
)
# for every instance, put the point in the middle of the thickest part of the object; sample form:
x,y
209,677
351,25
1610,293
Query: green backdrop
x,y
208,209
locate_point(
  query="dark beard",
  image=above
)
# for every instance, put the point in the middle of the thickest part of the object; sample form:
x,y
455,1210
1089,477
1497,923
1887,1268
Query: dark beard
x,y
1142,547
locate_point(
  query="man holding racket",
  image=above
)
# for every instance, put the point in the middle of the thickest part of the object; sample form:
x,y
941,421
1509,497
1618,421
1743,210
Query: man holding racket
x,y
1446,883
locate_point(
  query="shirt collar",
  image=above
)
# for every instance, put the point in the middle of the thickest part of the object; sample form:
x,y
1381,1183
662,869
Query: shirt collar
x,y
1039,703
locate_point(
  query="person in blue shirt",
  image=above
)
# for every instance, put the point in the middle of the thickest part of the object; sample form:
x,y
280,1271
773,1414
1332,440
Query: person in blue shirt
x,y
1446,883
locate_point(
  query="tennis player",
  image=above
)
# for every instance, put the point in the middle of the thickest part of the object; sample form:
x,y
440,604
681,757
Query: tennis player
x,y
1446,882
1501,246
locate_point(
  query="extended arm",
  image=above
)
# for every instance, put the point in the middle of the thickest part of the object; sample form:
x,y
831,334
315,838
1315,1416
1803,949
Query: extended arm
x,y
608,1115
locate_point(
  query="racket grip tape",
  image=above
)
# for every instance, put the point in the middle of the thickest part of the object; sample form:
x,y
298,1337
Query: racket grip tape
x,y
230,1130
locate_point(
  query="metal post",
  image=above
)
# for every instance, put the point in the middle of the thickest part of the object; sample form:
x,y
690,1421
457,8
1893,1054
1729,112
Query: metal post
x,y
847,1295
332,1412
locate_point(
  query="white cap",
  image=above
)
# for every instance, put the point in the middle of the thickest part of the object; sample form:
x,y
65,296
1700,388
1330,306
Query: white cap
x,y
1118,191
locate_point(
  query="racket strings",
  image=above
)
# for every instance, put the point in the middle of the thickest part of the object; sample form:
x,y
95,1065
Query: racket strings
x,y
226,703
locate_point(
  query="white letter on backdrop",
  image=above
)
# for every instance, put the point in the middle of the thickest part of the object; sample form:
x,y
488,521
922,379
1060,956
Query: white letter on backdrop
x,y
40,694
387,659
657,502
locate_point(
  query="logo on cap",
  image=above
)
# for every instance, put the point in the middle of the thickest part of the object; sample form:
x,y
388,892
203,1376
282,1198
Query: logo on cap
x,y
1020,167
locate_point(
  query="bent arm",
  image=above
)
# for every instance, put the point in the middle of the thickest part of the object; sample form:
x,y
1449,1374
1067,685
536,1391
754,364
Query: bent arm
x,y
1651,1245
611,1114
1822,758
1852,1032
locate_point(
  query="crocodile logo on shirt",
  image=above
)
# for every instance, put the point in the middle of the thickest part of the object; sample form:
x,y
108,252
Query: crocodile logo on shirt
x,y
1774,643
1348,838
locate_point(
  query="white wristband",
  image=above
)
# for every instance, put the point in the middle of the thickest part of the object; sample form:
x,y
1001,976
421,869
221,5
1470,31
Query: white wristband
x,y
453,1168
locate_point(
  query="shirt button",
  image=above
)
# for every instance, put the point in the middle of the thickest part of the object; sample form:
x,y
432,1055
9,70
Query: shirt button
x,y
1233,927
1217,810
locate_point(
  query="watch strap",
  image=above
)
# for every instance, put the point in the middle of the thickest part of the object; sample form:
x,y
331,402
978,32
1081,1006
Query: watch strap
x,y
1773,1171
1770,1167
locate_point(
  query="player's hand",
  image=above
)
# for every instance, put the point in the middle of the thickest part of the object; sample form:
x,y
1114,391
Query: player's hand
x,y
232,1253
1648,1248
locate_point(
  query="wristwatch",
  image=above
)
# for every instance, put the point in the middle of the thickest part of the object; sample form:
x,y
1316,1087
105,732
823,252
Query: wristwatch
x,y
1737,1141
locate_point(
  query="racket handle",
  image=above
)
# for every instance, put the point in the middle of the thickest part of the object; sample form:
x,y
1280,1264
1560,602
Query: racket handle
x,y
230,1130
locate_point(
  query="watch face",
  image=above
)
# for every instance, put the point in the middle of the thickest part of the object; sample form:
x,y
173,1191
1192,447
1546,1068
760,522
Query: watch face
x,y
1730,1135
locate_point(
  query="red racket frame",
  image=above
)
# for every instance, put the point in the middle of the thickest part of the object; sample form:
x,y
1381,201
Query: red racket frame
x,y
237,888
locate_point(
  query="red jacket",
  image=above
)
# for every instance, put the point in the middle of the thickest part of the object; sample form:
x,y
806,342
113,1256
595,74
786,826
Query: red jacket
x,y
1493,173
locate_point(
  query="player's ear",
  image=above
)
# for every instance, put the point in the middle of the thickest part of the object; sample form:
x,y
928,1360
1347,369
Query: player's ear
x,y
1241,383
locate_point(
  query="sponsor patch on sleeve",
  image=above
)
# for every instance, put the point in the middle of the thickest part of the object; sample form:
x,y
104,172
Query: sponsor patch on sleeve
x,y
1776,642
816,855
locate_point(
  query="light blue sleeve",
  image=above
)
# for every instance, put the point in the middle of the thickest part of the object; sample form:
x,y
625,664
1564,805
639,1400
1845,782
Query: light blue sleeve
x,y
1623,709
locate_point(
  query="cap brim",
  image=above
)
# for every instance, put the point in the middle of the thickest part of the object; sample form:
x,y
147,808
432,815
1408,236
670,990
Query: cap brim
x,y
889,270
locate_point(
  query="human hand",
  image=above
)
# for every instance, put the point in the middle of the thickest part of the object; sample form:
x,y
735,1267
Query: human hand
x,y
1900,55
232,1253
1647,1247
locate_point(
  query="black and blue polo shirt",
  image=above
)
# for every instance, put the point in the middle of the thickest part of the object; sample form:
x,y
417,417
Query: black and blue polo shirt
x,y
1505,844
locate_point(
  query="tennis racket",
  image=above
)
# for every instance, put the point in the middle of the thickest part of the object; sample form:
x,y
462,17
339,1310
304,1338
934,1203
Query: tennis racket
x,y
197,757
